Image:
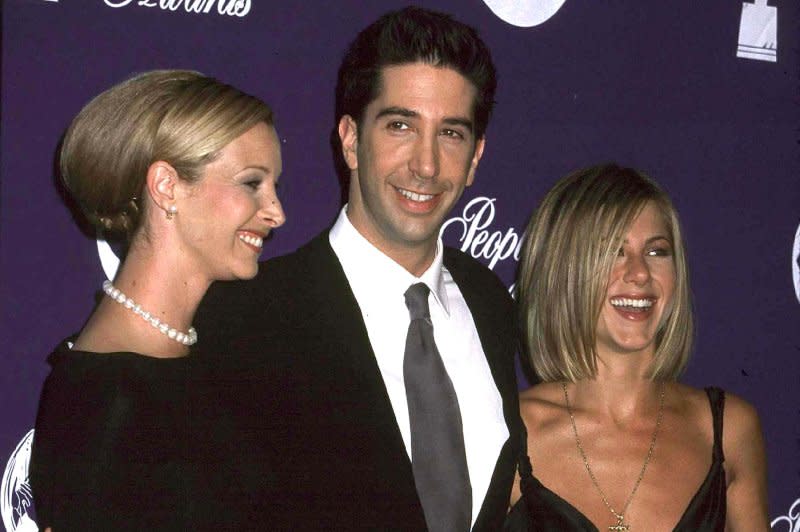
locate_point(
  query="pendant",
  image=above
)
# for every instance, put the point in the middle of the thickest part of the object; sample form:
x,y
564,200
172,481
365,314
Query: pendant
x,y
620,526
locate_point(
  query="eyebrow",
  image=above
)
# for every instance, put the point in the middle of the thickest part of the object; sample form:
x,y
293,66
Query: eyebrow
x,y
653,239
267,170
410,113
264,169
396,111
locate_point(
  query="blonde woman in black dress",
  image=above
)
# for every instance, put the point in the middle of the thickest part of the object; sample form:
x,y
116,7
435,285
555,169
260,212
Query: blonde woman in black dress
x,y
127,437
614,441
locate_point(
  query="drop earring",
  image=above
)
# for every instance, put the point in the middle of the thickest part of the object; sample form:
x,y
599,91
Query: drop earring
x,y
171,210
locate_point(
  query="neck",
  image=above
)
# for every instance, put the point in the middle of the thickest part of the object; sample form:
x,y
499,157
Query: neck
x,y
415,261
622,398
160,284
416,258
626,367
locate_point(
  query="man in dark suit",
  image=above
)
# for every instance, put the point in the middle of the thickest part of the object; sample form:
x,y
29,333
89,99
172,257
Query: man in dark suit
x,y
316,349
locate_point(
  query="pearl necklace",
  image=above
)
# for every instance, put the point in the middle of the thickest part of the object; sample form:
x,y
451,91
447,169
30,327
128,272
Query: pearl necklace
x,y
187,338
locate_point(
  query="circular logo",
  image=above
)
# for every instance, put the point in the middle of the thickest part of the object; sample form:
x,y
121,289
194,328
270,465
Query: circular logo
x,y
791,519
796,263
524,13
15,493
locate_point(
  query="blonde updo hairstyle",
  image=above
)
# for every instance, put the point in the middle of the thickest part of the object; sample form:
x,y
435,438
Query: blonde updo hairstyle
x,y
570,250
177,116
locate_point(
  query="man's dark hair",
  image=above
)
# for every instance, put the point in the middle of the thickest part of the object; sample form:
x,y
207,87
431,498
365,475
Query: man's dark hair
x,y
413,35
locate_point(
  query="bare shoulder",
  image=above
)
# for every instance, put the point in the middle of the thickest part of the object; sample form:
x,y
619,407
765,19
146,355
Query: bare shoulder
x,y
544,391
541,403
690,405
692,398
538,407
741,428
745,466
739,414
740,419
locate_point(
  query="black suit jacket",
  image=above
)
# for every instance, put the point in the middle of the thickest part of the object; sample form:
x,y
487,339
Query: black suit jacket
x,y
294,364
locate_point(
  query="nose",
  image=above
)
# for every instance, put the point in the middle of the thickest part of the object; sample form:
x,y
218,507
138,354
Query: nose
x,y
272,211
637,271
424,163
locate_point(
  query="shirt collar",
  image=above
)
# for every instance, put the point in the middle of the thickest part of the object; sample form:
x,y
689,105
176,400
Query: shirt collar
x,y
370,271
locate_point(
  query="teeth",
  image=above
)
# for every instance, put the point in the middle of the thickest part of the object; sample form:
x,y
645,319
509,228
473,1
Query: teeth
x,y
637,303
413,196
252,240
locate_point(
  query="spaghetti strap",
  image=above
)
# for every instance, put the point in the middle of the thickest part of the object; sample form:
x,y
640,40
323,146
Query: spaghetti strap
x,y
523,461
716,397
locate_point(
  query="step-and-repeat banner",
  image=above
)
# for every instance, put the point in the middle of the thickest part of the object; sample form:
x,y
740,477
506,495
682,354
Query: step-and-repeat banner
x,y
703,96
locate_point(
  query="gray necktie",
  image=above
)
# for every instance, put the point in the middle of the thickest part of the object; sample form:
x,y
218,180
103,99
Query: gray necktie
x,y
438,458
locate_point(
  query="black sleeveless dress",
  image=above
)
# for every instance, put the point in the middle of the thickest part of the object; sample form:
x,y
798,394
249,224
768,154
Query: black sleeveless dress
x,y
542,510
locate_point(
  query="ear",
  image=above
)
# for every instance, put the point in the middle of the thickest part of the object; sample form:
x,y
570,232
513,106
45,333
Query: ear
x,y
162,179
348,135
476,157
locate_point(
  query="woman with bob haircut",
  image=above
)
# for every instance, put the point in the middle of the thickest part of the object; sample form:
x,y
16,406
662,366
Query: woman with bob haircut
x,y
614,441
127,433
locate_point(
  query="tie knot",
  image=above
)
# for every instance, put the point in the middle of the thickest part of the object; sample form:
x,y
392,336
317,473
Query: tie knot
x,y
417,301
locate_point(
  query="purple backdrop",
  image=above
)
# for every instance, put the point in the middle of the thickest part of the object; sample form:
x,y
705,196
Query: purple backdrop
x,y
654,85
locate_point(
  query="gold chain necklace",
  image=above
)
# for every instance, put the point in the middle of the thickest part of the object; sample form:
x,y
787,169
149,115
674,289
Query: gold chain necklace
x,y
621,526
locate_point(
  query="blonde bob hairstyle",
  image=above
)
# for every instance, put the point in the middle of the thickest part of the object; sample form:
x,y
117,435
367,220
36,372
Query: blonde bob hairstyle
x,y
181,117
570,249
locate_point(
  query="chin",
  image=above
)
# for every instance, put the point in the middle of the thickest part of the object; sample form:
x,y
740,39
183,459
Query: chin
x,y
628,344
636,346
243,273
249,274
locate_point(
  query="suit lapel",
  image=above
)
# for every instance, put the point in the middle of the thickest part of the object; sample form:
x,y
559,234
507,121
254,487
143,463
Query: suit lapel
x,y
356,368
339,313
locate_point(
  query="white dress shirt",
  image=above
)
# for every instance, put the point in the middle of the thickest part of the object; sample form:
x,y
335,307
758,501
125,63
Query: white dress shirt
x,y
379,284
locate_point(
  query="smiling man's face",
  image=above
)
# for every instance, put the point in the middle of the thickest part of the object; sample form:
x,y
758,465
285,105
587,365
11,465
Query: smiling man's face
x,y
410,161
